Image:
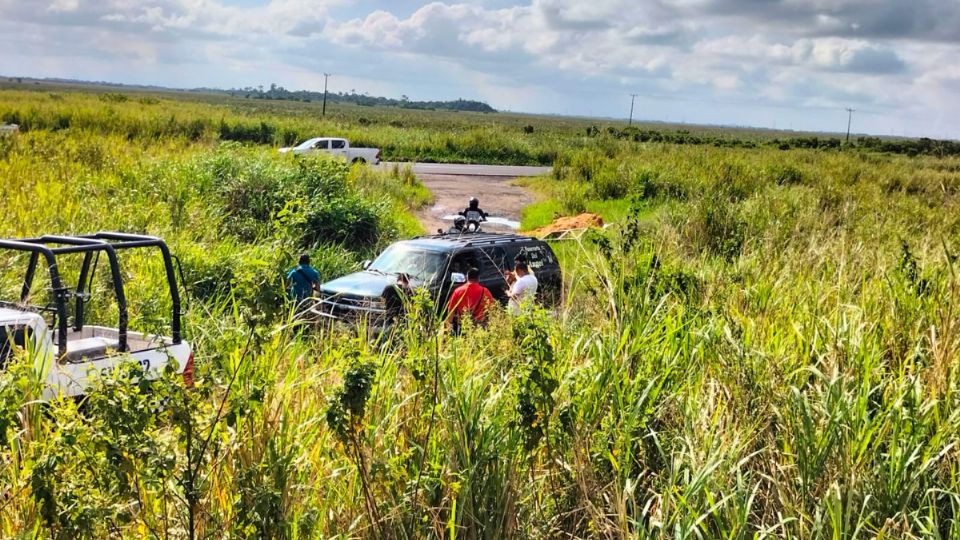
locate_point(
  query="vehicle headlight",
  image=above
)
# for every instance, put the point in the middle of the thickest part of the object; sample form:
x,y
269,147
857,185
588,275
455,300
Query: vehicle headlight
x,y
376,303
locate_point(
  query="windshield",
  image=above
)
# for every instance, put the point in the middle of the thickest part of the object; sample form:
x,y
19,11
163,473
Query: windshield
x,y
422,265
307,143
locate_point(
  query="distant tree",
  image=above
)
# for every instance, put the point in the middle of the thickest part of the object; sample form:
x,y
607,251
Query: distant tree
x,y
277,92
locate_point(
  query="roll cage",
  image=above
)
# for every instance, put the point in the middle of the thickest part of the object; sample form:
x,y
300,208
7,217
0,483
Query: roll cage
x,y
91,245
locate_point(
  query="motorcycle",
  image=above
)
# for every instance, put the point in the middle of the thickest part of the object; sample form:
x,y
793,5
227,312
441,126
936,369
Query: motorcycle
x,y
474,218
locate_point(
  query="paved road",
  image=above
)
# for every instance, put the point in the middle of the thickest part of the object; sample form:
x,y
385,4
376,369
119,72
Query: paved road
x,y
456,169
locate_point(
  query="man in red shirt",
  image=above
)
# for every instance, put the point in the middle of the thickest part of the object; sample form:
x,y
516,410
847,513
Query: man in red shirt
x,y
471,297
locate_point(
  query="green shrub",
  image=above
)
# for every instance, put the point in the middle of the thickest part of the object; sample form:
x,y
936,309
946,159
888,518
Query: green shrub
x,y
585,164
573,198
785,175
714,226
346,219
610,181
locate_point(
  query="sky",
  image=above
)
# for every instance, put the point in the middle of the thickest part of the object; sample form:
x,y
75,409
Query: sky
x,y
784,64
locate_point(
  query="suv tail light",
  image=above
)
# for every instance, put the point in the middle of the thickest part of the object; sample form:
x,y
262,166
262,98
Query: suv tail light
x,y
188,372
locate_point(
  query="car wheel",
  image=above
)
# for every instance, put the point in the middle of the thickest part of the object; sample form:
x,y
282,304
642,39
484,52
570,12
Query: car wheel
x,y
359,160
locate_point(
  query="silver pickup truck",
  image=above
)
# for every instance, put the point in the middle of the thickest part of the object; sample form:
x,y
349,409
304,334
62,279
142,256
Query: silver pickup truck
x,y
336,147
66,352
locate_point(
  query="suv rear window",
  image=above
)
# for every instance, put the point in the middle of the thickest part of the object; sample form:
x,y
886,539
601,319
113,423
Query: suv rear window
x,y
494,263
537,256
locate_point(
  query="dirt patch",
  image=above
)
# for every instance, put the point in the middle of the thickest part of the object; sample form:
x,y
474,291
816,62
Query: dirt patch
x,y
499,198
581,221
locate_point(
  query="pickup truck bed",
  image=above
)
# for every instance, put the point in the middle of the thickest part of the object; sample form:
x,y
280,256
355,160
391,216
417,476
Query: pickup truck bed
x,y
97,341
69,355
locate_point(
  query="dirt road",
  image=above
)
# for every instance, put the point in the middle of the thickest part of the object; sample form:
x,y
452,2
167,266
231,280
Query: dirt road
x,y
502,201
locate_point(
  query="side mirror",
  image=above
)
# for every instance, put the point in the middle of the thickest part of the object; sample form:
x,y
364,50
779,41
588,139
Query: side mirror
x,y
366,264
457,278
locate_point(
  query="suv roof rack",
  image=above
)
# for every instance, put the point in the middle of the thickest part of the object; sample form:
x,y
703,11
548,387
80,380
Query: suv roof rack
x,y
90,244
476,239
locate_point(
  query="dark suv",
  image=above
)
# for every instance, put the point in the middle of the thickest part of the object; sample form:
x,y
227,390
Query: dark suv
x,y
437,262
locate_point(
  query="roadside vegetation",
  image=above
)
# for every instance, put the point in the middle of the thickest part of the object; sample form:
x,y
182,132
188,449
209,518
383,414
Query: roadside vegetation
x,y
764,344
402,134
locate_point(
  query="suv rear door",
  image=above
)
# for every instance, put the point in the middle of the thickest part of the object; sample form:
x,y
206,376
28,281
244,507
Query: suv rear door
x,y
490,262
544,265
493,267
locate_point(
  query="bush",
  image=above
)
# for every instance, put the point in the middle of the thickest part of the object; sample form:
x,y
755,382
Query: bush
x,y
254,189
650,184
785,175
573,198
347,219
715,226
585,164
610,181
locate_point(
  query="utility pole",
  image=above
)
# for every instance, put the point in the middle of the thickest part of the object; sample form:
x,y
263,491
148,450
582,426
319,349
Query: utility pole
x,y
632,97
849,119
325,77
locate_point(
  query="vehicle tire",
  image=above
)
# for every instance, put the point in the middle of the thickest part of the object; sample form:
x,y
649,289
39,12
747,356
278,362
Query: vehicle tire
x,y
359,160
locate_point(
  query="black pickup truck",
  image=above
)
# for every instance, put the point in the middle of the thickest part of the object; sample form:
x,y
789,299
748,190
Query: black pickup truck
x,y
438,263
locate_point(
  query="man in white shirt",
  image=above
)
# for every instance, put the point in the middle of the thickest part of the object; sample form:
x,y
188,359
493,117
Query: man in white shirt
x,y
524,289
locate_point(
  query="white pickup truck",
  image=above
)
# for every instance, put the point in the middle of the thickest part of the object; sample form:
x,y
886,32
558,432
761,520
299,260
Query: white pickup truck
x,y
68,354
336,147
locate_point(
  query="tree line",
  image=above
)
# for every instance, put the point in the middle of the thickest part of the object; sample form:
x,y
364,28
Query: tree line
x,y
276,92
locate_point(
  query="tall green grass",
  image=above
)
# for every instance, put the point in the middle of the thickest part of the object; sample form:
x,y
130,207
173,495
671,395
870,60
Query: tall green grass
x,y
764,345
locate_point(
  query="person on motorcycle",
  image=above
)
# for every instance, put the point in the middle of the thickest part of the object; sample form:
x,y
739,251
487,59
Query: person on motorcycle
x,y
474,207
459,224
474,215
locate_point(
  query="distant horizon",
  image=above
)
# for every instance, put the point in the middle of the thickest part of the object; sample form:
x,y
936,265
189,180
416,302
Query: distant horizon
x,y
636,119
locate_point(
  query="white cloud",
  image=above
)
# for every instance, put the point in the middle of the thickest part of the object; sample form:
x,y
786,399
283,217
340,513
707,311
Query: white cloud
x,y
58,6
885,54
836,54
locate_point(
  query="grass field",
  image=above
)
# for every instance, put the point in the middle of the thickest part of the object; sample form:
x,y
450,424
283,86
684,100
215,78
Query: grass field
x,y
765,344
403,135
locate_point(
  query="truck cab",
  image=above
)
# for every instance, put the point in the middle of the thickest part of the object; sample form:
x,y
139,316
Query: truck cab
x,y
66,351
437,263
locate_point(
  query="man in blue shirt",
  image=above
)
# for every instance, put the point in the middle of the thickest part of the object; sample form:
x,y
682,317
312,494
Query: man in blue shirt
x,y
303,280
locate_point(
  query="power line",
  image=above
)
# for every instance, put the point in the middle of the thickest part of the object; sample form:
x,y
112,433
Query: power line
x,y
849,119
325,77
632,98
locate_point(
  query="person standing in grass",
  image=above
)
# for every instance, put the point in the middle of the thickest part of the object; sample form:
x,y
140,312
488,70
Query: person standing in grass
x,y
471,297
302,280
524,288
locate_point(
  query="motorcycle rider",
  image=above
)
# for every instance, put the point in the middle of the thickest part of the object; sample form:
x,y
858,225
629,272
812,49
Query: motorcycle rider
x,y
474,215
459,224
474,206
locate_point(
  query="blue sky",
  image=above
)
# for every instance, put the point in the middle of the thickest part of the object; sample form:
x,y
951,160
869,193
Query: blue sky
x,y
789,64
